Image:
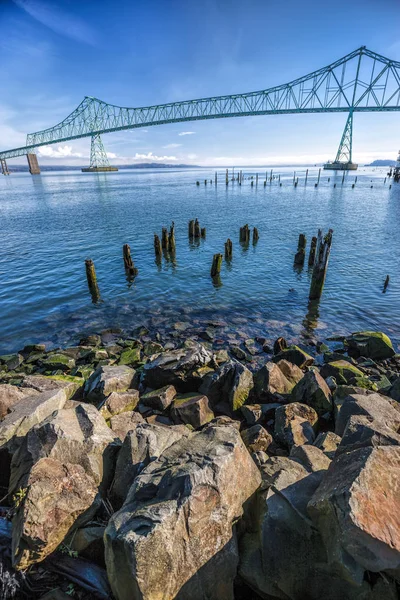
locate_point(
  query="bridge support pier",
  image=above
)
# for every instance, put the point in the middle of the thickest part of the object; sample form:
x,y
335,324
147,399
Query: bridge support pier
x,y
33,164
98,157
343,160
4,167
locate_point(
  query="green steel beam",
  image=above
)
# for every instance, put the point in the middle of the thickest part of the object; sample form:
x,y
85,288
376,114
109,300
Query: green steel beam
x,y
362,81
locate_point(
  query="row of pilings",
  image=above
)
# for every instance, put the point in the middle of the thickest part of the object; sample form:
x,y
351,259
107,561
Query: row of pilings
x,y
318,256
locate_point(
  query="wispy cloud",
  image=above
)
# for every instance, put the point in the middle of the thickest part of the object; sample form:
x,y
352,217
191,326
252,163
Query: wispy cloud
x,y
60,152
58,20
192,156
186,133
172,146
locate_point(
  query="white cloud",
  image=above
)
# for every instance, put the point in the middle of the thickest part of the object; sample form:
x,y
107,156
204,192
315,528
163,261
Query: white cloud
x,y
59,21
186,133
192,156
152,157
60,152
172,146
111,155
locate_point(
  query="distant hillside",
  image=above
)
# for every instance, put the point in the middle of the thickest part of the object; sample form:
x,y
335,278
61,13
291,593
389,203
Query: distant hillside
x,y
20,168
383,162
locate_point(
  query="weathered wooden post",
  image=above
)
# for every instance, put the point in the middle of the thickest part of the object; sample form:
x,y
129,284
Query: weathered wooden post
x,y
319,175
205,182
255,235
321,264
157,247
256,178
305,183
244,234
313,247
164,238
191,229
343,177
197,231
171,238
128,262
294,177
228,249
270,177
252,183
203,232
226,177
92,280
301,250
197,182
216,265
386,283
216,178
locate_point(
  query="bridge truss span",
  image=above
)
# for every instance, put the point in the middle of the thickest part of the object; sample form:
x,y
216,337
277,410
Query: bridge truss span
x,y
362,81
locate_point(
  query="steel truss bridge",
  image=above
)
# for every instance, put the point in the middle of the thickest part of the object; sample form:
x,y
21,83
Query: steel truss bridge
x,y
362,81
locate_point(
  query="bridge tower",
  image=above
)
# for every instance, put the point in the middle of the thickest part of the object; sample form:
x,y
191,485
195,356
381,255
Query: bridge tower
x,y
343,160
33,164
4,167
98,157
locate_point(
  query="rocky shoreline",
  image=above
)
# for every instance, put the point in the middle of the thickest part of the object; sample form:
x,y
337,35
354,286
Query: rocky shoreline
x,y
181,466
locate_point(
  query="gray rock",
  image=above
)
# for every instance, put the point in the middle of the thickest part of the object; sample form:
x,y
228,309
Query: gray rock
x,y
291,371
177,368
371,344
191,409
106,380
373,405
11,395
141,446
119,402
295,355
229,387
269,381
328,443
73,386
311,457
124,422
313,390
159,399
363,430
180,510
294,424
256,438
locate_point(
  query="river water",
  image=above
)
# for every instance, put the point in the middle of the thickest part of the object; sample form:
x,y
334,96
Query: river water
x,y
52,222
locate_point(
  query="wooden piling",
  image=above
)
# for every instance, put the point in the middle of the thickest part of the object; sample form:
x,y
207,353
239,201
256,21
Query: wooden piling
x,y
228,249
92,280
171,238
216,265
255,235
319,175
191,229
128,262
244,236
215,178
321,264
301,250
256,178
226,177
203,232
386,283
197,182
313,247
164,238
197,231
157,247
305,183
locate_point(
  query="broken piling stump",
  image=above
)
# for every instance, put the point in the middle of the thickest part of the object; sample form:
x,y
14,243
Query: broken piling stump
x,y
157,247
313,247
191,229
216,265
197,231
321,264
128,262
301,250
228,249
255,235
92,280
164,238
203,232
386,283
171,238
244,235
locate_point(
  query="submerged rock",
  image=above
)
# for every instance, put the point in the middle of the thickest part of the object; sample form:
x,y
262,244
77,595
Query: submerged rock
x,y
180,511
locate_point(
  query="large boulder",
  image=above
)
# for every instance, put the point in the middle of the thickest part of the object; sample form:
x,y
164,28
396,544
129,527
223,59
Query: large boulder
x,y
159,399
328,442
357,511
229,387
124,422
74,435
55,496
177,367
141,446
314,391
294,424
364,430
119,402
106,380
373,405
73,386
180,512
311,457
291,371
256,438
191,409
342,370
371,344
10,395
269,381
294,355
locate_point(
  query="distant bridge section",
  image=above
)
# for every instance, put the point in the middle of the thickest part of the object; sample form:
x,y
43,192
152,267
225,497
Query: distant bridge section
x,y
362,81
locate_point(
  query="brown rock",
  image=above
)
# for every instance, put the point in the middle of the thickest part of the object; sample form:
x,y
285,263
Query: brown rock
x,y
373,405
294,424
159,399
191,409
314,391
291,371
311,457
270,380
108,379
119,402
328,443
124,422
10,395
256,438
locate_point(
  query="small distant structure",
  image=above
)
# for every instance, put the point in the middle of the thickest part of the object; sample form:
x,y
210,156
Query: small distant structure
x,y
396,170
99,162
343,160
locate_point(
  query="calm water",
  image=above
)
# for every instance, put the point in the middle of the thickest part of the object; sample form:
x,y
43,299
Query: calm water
x,y
51,223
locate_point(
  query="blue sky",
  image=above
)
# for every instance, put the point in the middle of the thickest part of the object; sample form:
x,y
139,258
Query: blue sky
x,y
131,53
